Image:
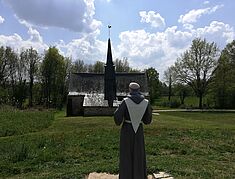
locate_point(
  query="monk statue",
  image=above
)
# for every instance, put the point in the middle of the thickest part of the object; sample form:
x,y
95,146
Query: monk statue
x,y
132,113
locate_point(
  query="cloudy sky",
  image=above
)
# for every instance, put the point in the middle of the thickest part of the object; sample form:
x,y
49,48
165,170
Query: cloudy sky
x,y
150,33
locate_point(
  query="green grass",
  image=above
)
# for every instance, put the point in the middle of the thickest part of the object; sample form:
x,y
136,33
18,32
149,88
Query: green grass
x,y
187,145
15,122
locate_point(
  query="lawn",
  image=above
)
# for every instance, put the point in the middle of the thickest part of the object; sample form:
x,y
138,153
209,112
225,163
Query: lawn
x,y
187,145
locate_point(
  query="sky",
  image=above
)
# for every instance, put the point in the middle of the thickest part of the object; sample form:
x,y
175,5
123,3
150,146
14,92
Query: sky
x,y
149,33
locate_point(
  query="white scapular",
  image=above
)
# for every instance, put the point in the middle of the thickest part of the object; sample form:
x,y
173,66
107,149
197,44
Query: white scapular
x,y
136,111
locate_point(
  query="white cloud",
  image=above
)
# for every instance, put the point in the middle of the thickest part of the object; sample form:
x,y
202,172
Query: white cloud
x,y
206,2
193,15
155,19
88,48
178,39
143,49
157,50
188,26
33,33
161,49
1,19
17,43
216,31
75,15
105,1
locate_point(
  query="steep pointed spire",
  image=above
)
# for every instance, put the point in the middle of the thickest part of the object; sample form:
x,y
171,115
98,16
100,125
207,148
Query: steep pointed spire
x,y
109,54
109,78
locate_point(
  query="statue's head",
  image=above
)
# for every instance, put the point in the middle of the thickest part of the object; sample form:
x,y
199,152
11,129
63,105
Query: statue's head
x,y
134,87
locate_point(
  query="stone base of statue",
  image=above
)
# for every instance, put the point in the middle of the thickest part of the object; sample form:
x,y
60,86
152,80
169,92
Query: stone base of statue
x,y
95,175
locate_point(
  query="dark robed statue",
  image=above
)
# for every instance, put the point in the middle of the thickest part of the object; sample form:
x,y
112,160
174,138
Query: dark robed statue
x,y
132,113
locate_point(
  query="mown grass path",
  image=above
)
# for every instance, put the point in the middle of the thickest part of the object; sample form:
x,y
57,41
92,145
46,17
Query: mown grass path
x,y
186,145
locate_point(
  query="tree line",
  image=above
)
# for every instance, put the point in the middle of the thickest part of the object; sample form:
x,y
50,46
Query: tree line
x,y
205,71
30,79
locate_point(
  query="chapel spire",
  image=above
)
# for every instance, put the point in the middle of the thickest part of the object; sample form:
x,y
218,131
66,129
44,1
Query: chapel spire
x,y
109,76
109,54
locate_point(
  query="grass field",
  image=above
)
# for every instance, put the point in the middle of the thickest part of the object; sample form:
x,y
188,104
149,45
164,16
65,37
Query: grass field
x,y
15,122
187,145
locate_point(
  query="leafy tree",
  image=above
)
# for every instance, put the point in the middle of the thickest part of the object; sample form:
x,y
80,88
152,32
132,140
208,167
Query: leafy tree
x,y
169,77
195,66
98,67
122,65
53,76
224,78
163,89
12,77
3,66
20,92
153,83
3,75
90,68
78,66
12,60
182,91
31,58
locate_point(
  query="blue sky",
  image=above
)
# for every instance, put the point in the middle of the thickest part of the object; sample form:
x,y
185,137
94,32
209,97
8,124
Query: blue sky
x,y
150,33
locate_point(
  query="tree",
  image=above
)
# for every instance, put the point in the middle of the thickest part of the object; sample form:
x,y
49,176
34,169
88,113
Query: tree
x,y
12,60
31,57
169,77
196,65
223,85
122,65
182,91
53,76
98,67
20,92
90,68
3,66
3,75
153,83
12,77
78,66
163,89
